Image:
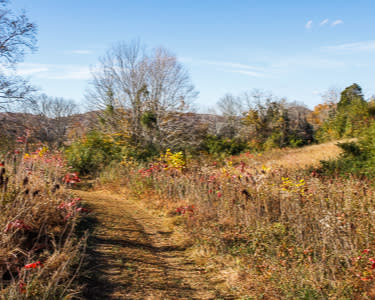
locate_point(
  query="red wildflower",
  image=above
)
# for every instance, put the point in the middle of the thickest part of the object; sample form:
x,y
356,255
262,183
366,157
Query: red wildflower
x,y
71,178
34,265
17,224
365,278
366,251
21,139
82,209
183,209
372,261
70,204
22,286
219,194
67,216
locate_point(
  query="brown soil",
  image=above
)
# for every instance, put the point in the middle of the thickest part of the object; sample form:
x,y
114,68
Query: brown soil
x,y
134,255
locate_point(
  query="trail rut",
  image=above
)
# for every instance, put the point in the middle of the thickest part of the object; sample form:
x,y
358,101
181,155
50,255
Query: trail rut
x,y
133,256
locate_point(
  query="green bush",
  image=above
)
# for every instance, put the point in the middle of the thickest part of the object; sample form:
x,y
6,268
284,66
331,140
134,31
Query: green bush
x,y
216,145
93,152
358,158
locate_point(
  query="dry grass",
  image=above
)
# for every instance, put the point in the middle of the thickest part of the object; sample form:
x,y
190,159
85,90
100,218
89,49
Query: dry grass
x,y
300,158
269,229
39,251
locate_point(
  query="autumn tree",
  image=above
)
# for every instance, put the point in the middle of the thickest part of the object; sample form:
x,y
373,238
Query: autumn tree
x,y
265,121
139,92
350,117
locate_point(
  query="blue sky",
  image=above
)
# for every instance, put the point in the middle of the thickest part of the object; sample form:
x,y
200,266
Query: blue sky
x,y
295,49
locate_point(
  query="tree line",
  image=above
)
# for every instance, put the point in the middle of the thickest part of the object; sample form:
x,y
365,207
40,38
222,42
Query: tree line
x,y
142,100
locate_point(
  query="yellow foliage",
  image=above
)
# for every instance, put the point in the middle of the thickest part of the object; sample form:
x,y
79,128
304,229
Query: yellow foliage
x,y
174,160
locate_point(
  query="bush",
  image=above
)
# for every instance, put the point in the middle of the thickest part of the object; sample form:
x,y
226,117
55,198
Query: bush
x,y
217,145
358,158
93,152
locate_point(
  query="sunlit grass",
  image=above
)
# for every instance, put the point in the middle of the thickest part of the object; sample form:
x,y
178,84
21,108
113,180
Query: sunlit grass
x,y
265,225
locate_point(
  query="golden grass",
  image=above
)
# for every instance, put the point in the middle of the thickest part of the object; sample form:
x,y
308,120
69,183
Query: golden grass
x,y
301,158
267,228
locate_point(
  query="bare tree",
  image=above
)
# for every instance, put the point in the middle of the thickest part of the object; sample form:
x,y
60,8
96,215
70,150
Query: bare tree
x,y
17,35
231,109
142,89
54,117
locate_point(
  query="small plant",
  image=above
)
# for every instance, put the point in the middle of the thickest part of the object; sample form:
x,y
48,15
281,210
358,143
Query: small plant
x,y
175,161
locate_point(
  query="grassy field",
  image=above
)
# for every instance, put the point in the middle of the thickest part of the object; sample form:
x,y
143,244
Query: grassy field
x,y
267,226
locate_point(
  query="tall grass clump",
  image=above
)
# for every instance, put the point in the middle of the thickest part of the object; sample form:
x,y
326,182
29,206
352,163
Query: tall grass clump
x,y
268,229
39,251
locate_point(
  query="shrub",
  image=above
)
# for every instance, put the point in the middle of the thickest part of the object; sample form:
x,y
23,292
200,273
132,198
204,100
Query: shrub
x,y
216,145
93,152
358,158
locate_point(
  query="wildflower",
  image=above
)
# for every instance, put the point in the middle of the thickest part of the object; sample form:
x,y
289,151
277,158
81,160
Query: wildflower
x,y
366,251
34,265
219,194
372,261
22,286
82,209
71,178
183,209
21,139
365,278
17,224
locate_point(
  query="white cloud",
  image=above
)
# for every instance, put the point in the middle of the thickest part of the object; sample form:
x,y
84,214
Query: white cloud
x,y
324,22
337,22
364,46
248,73
308,24
79,51
226,66
54,71
229,64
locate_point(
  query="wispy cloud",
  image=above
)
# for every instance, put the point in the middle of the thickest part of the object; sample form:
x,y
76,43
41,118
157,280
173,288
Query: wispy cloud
x,y
337,22
78,51
308,24
364,46
305,62
227,66
248,73
54,71
324,22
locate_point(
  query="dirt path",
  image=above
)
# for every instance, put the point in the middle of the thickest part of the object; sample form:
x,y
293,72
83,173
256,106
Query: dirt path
x,y
133,256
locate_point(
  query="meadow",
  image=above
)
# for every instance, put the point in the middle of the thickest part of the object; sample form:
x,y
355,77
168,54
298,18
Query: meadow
x,y
266,226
